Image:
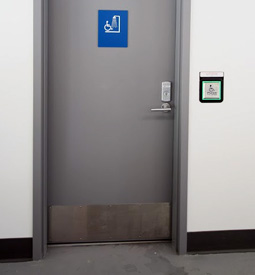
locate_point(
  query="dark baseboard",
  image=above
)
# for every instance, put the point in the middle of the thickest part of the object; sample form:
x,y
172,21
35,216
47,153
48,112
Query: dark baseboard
x,y
16,249
217,241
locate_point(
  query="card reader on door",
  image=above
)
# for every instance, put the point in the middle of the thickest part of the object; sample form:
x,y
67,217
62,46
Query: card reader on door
x,y
166,91
166,97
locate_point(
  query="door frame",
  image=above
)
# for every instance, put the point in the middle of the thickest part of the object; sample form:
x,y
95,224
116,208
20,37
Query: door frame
x,y
181,127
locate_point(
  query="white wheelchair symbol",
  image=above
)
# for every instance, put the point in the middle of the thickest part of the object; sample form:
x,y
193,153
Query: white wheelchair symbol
x,y
114,27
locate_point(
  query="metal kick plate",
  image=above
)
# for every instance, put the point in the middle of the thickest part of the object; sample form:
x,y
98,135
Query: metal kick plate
x,y
102,223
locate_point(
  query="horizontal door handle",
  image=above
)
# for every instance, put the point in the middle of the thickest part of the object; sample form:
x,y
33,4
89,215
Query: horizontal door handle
x,y
165,107
161,110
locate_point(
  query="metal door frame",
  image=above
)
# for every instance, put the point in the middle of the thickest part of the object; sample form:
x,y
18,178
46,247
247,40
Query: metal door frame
x,y
181,120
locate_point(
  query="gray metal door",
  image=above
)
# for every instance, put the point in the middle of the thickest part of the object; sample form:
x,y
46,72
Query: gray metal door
x,y
110,157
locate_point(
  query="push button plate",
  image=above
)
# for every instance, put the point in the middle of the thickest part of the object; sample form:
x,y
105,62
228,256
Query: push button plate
x,y
211,90
211,87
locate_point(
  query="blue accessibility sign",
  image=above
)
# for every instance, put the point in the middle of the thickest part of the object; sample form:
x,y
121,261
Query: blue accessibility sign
x,y
113,28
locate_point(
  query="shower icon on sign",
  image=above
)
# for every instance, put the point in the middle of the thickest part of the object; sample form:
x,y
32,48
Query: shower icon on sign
x,y
115,25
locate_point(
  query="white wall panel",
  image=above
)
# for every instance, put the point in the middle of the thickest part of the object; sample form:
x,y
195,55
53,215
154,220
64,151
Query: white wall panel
x,y
16,117
221,182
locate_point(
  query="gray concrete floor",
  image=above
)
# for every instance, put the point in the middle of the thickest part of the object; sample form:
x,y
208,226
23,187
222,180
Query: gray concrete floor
x,y
147,259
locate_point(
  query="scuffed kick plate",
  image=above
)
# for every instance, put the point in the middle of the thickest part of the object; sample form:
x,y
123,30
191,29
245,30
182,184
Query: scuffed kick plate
x,y
103,223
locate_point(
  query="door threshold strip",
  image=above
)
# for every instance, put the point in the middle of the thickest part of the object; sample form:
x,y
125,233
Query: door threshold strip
x,y
108,243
